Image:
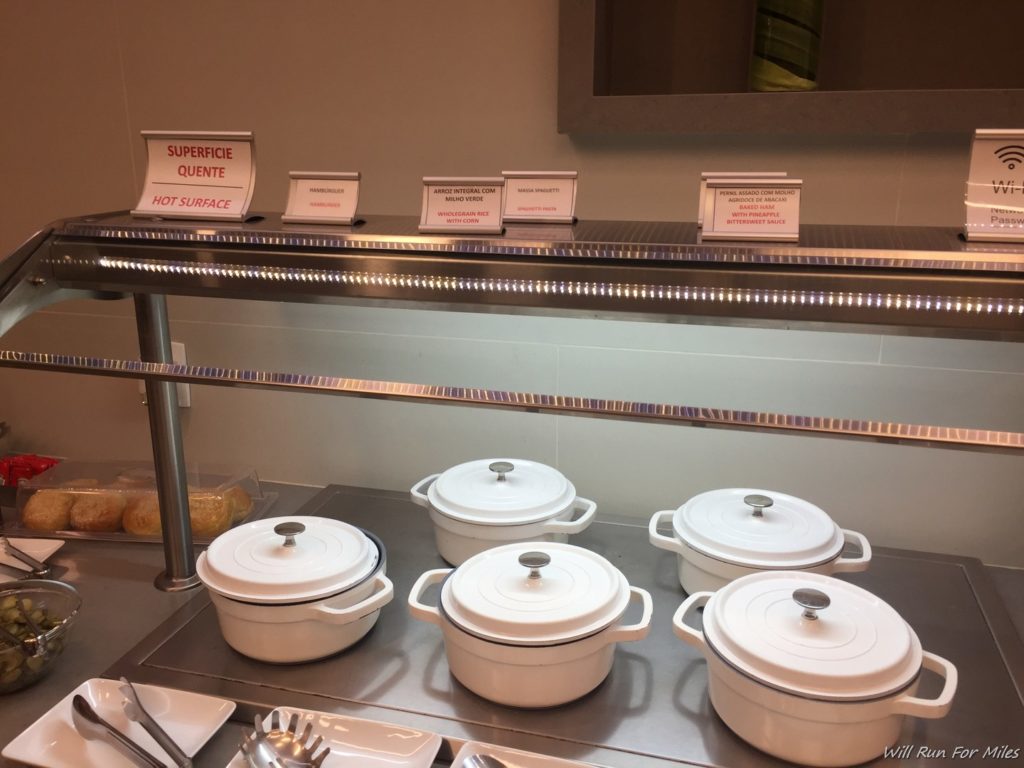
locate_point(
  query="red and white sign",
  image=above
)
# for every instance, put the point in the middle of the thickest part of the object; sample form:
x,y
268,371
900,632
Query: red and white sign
x,y
995,186
470,204
198,175
753,209
540,196
316,197
705,195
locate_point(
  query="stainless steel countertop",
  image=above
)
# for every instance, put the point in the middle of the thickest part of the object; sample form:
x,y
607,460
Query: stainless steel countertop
x,y
651,711
116,582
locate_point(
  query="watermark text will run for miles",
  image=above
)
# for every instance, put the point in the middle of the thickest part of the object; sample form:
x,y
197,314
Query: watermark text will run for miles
x,y
995,752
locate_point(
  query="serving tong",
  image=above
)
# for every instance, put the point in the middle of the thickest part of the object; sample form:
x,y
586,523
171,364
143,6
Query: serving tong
x,y
90,725
137,713
39,570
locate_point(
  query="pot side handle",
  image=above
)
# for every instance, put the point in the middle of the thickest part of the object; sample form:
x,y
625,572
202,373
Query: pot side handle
x,y
422,611
383,591
638,631
418,496
684,631
574,526
851,564
930,708
659,540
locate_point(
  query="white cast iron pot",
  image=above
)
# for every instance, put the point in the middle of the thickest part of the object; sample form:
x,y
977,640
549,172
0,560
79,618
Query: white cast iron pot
x,y
811,669
295,589
487,503
724,534
532,628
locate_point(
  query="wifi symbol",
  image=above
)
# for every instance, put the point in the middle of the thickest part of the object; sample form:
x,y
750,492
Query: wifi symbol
x,y
1011,155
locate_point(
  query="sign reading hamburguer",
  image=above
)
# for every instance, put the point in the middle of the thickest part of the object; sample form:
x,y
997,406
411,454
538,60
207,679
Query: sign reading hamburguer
x,y
321,197
470,204
198,175
995,186
752,209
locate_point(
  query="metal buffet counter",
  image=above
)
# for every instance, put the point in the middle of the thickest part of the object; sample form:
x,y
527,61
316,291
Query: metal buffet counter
x,y
900,280
651,711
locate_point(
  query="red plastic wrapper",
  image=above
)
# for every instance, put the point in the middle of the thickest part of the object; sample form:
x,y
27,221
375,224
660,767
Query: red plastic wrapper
x,y
14,468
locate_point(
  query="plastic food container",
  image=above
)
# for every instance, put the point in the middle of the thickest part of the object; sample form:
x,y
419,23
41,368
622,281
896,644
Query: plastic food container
x,y
532,625
294,589
491,502
812,669
118,499
724,534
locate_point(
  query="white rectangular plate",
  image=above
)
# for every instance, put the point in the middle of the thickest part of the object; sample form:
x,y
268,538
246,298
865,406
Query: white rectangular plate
x,y
363,743
52,741
513,758
40,549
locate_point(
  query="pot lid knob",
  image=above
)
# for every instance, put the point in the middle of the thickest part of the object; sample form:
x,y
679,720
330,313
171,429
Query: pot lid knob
x,y
759,502
534,561
289,530
812,601
501,468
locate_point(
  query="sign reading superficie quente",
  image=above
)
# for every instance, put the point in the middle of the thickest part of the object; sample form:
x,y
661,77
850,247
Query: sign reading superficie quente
x,y
995,186
198,175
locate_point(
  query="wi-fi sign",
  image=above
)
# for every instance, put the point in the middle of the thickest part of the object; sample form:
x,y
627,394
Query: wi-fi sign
x,y
1011,155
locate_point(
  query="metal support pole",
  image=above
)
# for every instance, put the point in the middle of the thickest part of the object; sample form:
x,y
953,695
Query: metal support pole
x,y
168,455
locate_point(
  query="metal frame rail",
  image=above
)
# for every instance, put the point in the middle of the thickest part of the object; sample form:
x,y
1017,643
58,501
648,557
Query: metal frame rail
x,y
914,281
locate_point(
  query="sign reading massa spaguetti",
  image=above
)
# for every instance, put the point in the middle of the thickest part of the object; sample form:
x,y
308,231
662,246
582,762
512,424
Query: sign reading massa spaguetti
x,y
198,175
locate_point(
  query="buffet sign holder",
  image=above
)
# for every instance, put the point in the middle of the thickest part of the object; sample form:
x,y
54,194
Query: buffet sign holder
x,y
463,204
198,175
540,197
322,197
752,209
994,197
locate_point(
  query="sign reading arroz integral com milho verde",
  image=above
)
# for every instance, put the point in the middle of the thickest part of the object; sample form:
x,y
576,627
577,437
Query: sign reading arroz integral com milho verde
x,y
470,204
198,175
322,197
752,209
995,186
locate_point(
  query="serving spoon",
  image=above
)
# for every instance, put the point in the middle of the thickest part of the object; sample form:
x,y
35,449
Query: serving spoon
x,y
482,761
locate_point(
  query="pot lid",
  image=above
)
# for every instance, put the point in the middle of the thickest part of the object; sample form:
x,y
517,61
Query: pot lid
x,y
535,593
758,529
812,635
287,559
501,492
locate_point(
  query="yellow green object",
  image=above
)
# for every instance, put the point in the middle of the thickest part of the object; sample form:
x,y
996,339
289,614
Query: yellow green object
x,y
787,40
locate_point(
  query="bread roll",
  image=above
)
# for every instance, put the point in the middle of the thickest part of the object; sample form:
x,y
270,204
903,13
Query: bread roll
x,y
97,512
209,512
47,510
239,502
142,515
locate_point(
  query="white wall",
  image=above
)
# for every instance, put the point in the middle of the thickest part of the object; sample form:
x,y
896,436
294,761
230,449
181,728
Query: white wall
x,y
402,89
